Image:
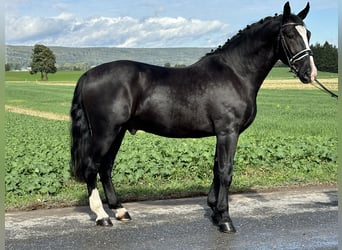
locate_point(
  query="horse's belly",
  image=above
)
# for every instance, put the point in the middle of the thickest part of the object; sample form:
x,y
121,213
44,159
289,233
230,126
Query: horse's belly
x,y
170,127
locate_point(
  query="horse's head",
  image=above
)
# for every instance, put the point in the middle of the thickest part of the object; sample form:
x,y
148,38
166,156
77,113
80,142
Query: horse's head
x,y
294,43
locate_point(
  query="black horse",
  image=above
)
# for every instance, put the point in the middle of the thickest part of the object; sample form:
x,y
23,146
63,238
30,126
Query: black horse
x,y
215,96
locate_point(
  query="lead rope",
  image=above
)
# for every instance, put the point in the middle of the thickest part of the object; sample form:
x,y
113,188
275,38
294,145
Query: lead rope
x,y
324,89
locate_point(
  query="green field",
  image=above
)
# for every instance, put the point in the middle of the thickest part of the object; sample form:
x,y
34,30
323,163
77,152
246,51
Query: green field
x,y
49,98
59,76
292,142
72,76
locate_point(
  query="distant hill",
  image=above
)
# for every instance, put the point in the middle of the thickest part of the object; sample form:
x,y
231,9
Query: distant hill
x,y
20,56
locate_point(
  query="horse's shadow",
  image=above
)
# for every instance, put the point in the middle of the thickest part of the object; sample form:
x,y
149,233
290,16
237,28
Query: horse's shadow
x,y
142,206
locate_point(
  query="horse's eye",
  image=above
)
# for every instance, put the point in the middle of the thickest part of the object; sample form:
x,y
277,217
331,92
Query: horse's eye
x,y
309,34
290,35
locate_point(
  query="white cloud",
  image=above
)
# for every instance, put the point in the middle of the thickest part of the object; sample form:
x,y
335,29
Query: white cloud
x,y
64,16
32,28
61,6
67,30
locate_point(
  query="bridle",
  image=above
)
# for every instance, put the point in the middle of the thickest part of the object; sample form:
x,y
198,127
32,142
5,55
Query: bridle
x,y
292,59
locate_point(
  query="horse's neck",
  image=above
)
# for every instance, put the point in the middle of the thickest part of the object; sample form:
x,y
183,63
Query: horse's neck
x,y
257,63
253,58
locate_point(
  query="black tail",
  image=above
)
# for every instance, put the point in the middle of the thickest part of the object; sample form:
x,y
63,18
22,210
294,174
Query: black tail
x,y
80,135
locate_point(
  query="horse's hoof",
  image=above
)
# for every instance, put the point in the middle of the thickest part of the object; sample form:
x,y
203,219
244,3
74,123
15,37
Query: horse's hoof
x,y
227,227
122,215
125,217
104,222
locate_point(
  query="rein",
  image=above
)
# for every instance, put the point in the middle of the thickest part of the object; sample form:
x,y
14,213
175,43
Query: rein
x,y
324,89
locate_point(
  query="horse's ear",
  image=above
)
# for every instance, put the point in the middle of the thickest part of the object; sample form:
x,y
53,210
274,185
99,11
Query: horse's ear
x,y
286,12
304,12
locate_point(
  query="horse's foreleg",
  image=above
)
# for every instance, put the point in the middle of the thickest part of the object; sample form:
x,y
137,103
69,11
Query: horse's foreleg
x,y
105,175
223,174
213,192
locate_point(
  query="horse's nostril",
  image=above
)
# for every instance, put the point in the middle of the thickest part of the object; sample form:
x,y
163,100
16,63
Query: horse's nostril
x,y
306,78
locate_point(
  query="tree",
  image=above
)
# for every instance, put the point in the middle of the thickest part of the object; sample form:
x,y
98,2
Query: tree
x,y
43,61
7,67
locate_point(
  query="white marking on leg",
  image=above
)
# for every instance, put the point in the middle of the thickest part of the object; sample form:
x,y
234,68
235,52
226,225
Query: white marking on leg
x,y
120,213
303,33
96,205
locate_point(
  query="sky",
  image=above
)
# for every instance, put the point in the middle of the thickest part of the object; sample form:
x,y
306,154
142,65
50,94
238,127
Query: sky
x,y
152,23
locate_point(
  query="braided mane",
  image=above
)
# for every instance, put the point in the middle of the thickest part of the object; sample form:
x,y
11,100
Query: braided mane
x,y
238,35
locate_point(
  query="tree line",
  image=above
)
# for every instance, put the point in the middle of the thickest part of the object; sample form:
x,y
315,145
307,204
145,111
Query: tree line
x,y
326,57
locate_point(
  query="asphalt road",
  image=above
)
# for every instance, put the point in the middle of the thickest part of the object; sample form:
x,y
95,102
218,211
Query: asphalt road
x,y
294,219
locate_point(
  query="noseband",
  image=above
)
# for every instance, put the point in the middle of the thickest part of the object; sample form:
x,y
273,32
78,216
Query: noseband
x,y
292,59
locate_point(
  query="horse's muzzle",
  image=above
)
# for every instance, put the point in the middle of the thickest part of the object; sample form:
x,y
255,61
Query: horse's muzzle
x,y
308,75
305,77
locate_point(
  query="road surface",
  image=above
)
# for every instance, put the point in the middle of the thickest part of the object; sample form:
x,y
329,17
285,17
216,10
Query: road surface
x,y
294,219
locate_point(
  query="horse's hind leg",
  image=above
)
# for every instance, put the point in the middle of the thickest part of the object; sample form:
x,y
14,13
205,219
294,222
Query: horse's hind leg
x,y
95,202
105,175
99,148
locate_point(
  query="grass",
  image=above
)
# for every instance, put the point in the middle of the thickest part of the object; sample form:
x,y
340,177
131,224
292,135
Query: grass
x,y
59,76
279,73
286,120
289,112
48,98
295,113
72,76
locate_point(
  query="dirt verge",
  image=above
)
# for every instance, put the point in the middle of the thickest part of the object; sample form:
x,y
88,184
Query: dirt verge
x,y
331,83
46,115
